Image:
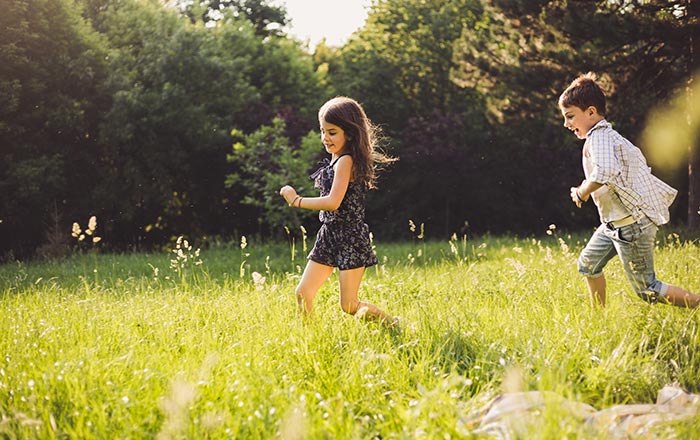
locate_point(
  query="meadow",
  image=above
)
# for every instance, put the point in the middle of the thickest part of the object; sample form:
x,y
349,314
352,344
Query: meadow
x,y
159,345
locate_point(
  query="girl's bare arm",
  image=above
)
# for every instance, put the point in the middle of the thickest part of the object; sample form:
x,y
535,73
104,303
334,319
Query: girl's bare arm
x,y
331,202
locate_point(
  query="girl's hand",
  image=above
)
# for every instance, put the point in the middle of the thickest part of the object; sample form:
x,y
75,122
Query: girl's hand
x,y
288,193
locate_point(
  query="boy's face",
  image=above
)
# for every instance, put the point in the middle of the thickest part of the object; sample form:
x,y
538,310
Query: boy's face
x,y
579,120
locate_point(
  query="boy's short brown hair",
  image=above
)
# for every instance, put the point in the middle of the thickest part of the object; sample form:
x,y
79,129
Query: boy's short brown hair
x,y
584,92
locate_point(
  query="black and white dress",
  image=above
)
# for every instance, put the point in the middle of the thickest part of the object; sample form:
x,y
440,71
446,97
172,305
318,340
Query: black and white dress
x,y
343,239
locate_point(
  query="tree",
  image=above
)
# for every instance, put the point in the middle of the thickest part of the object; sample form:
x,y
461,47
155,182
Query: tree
x,y
179,90
399,63
124,109
398,66
267,19
265,161
692,92
51,81
522,54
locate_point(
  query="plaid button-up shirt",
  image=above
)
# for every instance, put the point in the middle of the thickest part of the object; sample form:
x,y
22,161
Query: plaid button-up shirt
x,y
621,166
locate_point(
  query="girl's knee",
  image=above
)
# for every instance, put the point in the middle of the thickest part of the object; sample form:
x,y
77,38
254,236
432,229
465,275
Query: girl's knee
x,y
301,292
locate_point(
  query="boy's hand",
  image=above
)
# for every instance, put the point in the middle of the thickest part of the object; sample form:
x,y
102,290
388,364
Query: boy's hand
x,y
575,197
288,193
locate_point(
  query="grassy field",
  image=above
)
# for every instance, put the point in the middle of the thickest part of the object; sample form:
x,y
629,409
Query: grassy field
x,y
139,346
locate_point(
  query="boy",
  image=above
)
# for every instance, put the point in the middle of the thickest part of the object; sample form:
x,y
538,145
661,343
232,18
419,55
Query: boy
x,y
632,203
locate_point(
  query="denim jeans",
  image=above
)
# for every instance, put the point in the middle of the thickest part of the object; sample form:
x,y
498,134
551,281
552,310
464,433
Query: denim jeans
x,y
635,245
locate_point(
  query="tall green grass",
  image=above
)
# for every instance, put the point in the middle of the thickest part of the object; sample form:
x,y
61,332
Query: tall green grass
x,y
124,346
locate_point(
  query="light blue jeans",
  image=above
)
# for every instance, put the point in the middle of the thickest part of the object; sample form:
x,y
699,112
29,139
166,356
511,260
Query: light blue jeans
x,y
635,245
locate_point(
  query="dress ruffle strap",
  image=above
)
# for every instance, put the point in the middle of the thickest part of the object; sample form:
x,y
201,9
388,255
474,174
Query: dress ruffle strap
x,y
322,166
323,177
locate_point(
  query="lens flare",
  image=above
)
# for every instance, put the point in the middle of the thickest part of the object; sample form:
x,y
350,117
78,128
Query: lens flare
x,y
671,130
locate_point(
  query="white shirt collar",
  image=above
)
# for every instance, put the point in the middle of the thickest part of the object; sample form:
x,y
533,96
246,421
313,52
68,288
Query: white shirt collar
x,y
603,123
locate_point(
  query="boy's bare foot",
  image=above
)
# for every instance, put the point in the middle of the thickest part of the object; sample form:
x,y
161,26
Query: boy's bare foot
x,y
391,322
681,297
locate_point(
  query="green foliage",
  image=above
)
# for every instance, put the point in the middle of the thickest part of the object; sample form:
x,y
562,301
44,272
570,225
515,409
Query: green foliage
x,y
521,55
398,64
267,19
289,86
144,352
124,108
141,101
50,95
265,161
178,94
168,128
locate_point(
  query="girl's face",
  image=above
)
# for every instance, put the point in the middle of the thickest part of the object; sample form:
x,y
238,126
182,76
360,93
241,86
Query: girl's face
x,y
333,138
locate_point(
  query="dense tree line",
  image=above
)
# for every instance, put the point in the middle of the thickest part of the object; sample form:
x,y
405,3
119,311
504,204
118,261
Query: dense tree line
x,y
182,117
124,110
478,131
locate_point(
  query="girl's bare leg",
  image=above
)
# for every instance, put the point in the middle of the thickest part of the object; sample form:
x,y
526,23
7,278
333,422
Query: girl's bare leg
x,y
315,274
349,287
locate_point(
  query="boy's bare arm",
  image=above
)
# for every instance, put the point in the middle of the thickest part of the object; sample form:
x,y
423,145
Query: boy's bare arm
x,y
580,194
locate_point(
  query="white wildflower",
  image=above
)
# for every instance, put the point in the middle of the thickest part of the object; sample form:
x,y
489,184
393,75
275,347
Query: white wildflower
x,y
258,280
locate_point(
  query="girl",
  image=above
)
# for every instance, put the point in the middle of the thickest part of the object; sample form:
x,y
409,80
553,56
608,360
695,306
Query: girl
x,y
343,239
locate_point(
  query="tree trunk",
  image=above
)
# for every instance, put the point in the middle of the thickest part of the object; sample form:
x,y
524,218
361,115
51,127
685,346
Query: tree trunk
x,y
694,156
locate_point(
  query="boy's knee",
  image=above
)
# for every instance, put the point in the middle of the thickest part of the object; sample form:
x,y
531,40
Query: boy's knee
x,y
652,293
586,269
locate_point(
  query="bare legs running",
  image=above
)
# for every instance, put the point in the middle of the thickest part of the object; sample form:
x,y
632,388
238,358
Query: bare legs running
x,y
315,274
597,288
682,298
675,295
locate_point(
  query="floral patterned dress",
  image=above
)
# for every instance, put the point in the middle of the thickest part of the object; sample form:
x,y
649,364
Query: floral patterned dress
x,y
343,239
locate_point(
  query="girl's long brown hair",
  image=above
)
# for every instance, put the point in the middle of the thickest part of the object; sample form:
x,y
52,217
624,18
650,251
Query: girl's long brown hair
x,y
361,137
